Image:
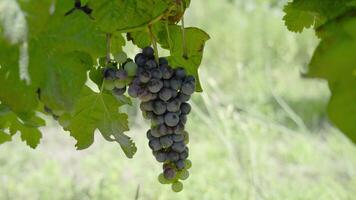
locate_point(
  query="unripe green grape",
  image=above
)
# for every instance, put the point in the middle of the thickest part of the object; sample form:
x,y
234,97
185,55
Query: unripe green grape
x,y
183,175
131,68
120,57
109,85
177,186
163,180
119,83
188,164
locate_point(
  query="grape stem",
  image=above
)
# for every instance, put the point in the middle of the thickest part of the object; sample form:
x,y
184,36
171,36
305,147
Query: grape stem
x,y
108,47
185,50
154,42
168,35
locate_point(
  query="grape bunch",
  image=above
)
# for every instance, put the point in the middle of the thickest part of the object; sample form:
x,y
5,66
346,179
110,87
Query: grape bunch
x,y
164,93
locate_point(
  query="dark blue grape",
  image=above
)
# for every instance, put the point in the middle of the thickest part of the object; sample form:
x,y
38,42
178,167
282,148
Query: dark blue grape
x,y
144,76
155,132
162,129
159,107
160,156
156,73
155,85
109,74
148,52
177,138
190,79
174,93
180,164
154,144
166,84
183,119
150,64
133,91
183,97
185,108
178,147
188,88
157,120
121,74
176,83
147,106
180,72
184,155
149,135
171,119
173,156
167,72
166,141
173,105
165,94
179,129
140,59
145,95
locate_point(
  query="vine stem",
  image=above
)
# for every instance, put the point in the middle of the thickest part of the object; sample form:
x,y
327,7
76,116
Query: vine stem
x,y
168,35
108,47
185,50
154,42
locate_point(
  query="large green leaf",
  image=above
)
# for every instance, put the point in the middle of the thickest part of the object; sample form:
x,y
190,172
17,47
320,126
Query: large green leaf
x,y
98,111
120,15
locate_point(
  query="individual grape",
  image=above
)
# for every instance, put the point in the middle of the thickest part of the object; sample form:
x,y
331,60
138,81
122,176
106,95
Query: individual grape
x,y
133,91
162,129
145,95
150,64
171,119
173,156
180,72
159,107
173,106
119,91
160,156
188,164
155,133
144,76
155,145
148,115
166,141
120,57
131,69
167,72
185,108
176,83
156,73
162,61
186,137
174,93
183,97
109,73
146,106
109,85
177,186
140,59
177,138
183,119
189,79
178,147
149,135
157,120
163,180
184,174
119,83
184,155
155,85
165,94
179,129
148,52
188,88
169,173
180,164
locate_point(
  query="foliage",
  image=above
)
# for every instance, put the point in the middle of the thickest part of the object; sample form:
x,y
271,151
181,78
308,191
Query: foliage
x,y
334,60
45,68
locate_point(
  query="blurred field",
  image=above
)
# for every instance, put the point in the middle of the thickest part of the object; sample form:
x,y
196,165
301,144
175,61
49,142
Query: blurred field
x,y
259,131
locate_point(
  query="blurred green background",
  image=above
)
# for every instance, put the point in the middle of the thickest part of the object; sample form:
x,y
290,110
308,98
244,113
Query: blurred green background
x,y
259,131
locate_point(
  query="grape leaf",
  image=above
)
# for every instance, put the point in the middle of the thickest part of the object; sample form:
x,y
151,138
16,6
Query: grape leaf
x,y
302,14
98,111
4,137
120,15
29,133
342,107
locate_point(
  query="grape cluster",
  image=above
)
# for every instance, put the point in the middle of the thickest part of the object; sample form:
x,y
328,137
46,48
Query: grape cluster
x,y
164,93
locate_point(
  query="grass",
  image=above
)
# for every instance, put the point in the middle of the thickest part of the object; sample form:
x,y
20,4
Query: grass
x,y
259,131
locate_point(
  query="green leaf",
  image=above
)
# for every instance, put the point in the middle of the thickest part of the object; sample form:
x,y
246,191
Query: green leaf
x,y
120,15
297,20
4,137
342,107
98,111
